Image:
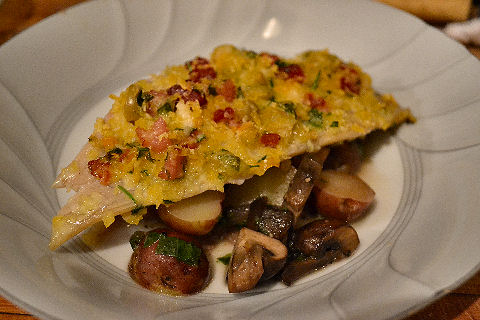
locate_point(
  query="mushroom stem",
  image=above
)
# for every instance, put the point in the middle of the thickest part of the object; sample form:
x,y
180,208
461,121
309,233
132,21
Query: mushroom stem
x,y
254,256
308,173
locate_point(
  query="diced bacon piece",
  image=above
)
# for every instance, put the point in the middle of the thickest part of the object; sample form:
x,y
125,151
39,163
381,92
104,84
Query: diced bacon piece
x,y
193,140
317,103
186,95
224,115
271,57
350,81
151,138
200,68
100,168
176,89
270,139
292,72
228,90
195,95
174,166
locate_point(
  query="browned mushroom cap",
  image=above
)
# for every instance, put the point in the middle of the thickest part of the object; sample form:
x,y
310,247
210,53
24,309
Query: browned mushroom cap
x,y
254,256
270,220
308,172
318,244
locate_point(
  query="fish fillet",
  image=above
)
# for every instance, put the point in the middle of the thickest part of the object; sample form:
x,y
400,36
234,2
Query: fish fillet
x,y
211,122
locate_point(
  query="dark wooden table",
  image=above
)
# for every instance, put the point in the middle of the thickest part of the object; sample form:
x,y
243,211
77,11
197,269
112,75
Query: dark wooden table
x,y
462,303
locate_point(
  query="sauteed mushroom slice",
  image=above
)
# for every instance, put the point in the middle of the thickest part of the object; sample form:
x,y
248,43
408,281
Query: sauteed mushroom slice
x,y
270,220
316,245
308,172
346,157
255,256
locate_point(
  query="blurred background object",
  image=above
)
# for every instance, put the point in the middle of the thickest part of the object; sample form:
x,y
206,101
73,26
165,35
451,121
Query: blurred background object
x,y
435,11
17,15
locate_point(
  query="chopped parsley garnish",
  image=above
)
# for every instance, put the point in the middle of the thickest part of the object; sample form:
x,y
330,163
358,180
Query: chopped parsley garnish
x,y
138,206
212,91
128,194
271,83
136,239
282,64
316,82
254,166
225,259
239,92
262,158
143,96
229,159
334,124
316,118
167,201
251,54
144,152
289,107
165,108
145,172
170,246
201,137
137,209
115,151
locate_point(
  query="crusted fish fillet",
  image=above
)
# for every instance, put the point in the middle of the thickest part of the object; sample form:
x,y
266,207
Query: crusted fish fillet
x,y
207,123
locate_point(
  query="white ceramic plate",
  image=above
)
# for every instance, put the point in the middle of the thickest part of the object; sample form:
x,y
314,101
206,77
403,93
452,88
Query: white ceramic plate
x,y
420,240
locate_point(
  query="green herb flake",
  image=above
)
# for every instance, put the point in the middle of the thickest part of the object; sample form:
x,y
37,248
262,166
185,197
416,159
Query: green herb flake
x,y
167,201
137,209
229,160
144,152
139,98
136,238
334,124
174,247
289,107
239,92
201,137
145,172
165,108
212,91
262,158
282,64
115,151
128,194
254,166
251,54
271,83
225,259
316,118
316,82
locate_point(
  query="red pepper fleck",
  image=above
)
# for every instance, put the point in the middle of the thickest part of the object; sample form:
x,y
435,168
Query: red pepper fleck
x,y
316,102
270,140
228,90
100,168
174,167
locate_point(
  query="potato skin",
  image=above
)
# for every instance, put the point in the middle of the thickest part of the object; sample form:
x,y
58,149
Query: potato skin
x,y
343,196
333,207
167,274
